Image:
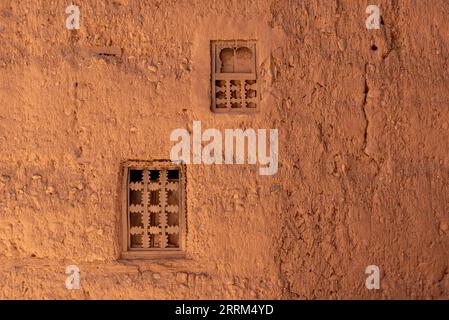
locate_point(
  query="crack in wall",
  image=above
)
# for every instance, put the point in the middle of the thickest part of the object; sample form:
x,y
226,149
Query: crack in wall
x,y
364,103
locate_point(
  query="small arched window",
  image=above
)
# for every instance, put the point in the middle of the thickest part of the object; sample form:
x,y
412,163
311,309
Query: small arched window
x,y
234,77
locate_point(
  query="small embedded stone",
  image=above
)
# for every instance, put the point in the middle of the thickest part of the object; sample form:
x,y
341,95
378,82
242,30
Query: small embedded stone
x,y
156,276
152,68
5,178
342,44
50,190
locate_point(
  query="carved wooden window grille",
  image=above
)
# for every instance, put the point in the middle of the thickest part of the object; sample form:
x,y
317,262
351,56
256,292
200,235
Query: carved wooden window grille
x,y
154,210
234,77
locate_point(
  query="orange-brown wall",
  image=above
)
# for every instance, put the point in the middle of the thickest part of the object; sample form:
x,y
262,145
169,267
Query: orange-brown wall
x,y
363,148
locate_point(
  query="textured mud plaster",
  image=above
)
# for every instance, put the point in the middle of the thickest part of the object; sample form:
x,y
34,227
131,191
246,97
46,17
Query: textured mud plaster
x,y
363,148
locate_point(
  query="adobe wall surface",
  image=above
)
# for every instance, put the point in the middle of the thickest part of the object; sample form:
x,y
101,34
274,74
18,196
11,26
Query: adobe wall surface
x,y
363,119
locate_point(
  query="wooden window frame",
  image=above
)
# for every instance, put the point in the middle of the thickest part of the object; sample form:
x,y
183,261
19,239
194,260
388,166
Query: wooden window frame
x,y
152,253
216,75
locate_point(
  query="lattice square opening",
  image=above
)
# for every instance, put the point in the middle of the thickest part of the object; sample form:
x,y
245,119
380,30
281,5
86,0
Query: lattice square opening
x,y
153,214
234,77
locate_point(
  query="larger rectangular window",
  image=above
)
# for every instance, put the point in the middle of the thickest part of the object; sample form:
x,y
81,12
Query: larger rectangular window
x,y
153,218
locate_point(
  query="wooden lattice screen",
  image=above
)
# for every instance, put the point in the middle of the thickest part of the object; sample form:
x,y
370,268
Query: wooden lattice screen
x,y
155,211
